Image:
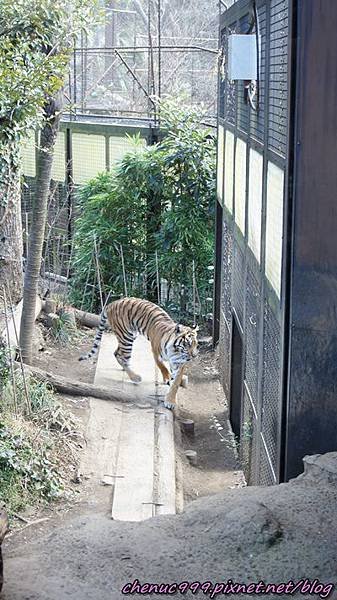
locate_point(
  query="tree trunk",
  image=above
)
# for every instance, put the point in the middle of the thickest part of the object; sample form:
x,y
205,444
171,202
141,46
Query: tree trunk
x,y
11,248
52,114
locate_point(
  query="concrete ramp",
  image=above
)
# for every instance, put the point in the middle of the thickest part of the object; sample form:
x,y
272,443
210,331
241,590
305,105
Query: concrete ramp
x,y
132,446
133,494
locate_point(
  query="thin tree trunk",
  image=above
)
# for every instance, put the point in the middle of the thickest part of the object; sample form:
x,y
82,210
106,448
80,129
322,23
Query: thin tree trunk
x,y
153,218
11,248
52,113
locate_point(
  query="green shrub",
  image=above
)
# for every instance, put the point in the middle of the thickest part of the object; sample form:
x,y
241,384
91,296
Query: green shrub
x,y
27,472
155,210
30,441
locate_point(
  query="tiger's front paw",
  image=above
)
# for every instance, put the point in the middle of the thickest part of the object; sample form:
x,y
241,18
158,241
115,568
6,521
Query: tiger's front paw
x,y
134,377
168,404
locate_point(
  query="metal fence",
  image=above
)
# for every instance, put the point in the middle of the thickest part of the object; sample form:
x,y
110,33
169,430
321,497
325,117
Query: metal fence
x,y
251,170
143,50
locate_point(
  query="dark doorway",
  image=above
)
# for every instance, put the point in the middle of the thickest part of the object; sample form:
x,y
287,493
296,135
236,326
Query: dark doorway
x,y
236,378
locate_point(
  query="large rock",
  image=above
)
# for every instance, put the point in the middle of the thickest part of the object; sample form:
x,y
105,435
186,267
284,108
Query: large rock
x,y
320,468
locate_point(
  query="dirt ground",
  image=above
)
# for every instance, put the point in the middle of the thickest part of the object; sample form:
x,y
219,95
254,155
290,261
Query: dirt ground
x,y
203,401
52,356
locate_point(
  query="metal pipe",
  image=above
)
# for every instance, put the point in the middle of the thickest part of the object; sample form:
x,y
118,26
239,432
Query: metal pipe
x,y
146,49
159,48
134,76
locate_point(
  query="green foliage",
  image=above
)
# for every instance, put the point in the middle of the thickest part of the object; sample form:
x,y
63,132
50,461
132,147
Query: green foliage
x,y
28,473
35,41
36,37
29,469
63,330
114,210
158,206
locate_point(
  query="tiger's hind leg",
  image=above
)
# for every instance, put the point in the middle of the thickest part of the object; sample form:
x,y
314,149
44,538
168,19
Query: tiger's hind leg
x,y
123,357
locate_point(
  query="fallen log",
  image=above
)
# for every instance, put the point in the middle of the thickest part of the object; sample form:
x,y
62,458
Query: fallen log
x,y
3,530
78,388
83,318
87,319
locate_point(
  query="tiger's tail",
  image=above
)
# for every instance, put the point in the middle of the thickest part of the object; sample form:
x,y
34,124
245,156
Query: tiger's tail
x,y
98,337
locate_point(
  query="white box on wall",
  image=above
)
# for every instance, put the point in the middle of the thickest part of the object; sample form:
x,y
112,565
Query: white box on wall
x,y
242,57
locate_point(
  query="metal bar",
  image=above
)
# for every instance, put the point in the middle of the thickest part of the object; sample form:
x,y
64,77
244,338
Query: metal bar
x,y
218,228
98,271
263,241
75,86
217,272
181,37
134,76
82,72
118,10
152,87
149,107
145,49
159,47
107,153
288,235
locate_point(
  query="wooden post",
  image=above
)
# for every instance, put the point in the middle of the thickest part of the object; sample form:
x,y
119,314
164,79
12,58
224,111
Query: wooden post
x,y
3,530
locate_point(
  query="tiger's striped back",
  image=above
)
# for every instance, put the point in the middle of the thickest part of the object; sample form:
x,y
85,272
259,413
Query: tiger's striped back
x,y
138,316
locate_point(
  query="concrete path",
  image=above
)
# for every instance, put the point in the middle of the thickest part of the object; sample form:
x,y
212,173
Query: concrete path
x,y
131,447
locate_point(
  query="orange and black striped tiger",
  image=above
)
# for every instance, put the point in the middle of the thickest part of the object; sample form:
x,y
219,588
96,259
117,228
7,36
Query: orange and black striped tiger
x,y
170,342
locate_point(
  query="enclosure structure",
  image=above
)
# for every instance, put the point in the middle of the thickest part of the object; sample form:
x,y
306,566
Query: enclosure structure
x,y
276,262
142,49
139,50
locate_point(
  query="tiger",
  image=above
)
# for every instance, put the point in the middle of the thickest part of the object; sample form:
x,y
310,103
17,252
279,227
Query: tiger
x,y
171,342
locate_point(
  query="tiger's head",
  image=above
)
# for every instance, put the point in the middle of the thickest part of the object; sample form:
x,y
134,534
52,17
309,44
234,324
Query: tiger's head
x,y
184,345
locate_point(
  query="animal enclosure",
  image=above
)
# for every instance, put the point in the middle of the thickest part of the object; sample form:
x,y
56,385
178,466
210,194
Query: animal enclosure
x,y
273,267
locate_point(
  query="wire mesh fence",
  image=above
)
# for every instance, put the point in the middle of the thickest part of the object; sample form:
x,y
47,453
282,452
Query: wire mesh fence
x,y
146,48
